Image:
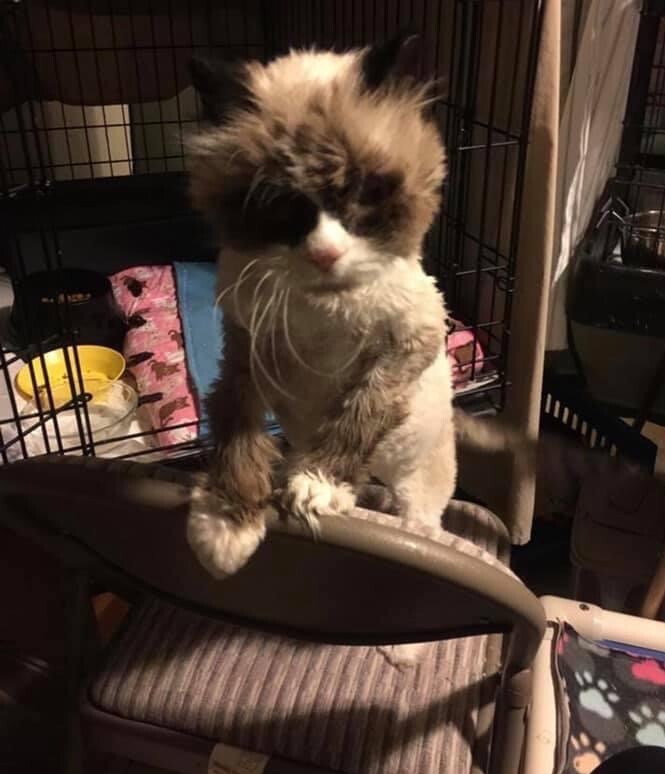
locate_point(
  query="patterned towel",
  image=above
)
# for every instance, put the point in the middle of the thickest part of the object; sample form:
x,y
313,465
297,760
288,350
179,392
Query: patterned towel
x,y
154,350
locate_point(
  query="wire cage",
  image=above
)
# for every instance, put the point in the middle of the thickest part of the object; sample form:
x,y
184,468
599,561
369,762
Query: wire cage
x,y
94,98
616,321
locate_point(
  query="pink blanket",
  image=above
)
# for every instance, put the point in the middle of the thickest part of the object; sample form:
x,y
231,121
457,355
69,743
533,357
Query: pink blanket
x,y
155,352
465,354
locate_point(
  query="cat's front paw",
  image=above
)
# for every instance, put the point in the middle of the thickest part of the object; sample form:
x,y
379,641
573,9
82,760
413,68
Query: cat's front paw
x,y
310,495
222,536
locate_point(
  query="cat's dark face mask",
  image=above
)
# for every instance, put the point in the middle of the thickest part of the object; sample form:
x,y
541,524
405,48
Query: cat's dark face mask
x,y
327,163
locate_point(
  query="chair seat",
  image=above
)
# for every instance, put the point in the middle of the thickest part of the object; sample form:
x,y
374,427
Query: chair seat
x,y
338,708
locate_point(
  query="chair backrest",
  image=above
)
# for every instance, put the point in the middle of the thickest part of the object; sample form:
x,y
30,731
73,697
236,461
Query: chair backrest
x,y
359,583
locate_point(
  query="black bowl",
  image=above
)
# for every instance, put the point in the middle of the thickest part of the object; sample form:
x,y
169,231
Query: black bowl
x,y
50,305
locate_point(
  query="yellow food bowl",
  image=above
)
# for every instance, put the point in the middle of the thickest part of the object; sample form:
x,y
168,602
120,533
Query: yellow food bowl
x,y
99,365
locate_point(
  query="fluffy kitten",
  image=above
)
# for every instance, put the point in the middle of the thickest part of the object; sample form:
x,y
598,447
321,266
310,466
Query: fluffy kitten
x,y
322,173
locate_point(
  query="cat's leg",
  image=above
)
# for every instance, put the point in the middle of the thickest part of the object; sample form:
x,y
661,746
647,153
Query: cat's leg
x,y
227,515
423,483
418,459
423,495
423,492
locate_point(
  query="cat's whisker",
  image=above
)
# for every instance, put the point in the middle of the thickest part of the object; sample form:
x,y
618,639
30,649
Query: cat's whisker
x,y
244,275
270,328
254,331
289,341
277,298
223,293
298,357
232,157
287,335
255,296
257,322
255,299
354,355
256,181
253,306
269,378
351,360
255,360
252,368
266,196
235,286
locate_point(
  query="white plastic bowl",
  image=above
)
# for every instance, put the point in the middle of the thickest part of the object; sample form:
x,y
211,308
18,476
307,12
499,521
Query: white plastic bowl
x,y
110,410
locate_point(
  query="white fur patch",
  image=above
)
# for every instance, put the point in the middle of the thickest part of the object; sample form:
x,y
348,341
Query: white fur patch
x,y
220,544
301,69
402,656
311,495
329,233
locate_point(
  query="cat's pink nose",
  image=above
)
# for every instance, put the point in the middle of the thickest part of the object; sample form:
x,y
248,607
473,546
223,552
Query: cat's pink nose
x,y
325,257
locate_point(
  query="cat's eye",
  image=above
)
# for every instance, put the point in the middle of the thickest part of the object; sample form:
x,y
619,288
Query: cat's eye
x,y
376,188
282,208
269,214
279,214
344,190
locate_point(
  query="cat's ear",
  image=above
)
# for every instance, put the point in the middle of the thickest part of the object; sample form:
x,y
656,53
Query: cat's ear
x,y
221,86
397,58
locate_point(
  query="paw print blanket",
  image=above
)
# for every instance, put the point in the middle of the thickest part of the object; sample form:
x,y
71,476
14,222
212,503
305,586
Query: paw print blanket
x,y
613,699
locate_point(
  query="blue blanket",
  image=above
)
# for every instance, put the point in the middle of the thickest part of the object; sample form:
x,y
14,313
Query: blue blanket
x,y
202,331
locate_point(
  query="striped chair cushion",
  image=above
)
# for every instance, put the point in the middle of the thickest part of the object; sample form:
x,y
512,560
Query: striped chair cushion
x,y
335,707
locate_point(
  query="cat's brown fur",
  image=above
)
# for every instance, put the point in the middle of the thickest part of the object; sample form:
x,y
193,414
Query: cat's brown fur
x,y
244,455
316,141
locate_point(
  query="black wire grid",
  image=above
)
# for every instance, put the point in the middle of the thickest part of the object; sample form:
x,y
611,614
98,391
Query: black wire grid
x,y
639,183
94,96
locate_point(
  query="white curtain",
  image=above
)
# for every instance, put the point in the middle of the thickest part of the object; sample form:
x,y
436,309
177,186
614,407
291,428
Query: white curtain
x,y
598,44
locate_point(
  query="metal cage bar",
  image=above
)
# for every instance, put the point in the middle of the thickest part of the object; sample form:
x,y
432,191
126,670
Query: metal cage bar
x,y
91,104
